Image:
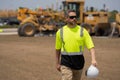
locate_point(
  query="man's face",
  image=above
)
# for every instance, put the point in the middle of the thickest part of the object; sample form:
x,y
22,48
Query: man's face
x,y
72,18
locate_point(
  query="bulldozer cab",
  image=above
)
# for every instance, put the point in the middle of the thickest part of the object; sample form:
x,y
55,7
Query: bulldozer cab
x,y
77,5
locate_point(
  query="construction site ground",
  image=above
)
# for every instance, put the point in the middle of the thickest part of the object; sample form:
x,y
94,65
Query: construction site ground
x,y
33,58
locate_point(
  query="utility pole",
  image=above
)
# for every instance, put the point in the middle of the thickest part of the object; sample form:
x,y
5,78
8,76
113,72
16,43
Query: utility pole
x,y
56,5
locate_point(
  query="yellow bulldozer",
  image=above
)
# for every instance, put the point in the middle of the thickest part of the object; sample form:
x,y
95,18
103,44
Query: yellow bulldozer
x,y
96,22
32,22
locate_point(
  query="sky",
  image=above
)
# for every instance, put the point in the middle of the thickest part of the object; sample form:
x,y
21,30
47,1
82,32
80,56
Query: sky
x,y
32,4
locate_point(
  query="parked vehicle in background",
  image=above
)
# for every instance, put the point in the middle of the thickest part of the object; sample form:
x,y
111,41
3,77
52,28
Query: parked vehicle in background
x,y
13,21
9,21
3,21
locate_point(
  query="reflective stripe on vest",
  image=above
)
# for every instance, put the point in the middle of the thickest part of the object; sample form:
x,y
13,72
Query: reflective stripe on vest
x,y
70,53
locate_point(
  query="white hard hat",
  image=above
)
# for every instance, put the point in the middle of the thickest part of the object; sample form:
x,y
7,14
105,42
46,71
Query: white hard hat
x,y
92,72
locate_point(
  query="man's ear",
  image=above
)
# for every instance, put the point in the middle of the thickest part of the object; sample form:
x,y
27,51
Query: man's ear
x,y
66,19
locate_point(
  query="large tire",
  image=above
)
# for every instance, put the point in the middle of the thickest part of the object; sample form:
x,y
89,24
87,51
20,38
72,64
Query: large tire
x,y
28,30
103,29
87,27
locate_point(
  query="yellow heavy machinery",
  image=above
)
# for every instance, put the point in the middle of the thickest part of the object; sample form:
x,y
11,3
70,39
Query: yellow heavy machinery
x,y
95,22
33,22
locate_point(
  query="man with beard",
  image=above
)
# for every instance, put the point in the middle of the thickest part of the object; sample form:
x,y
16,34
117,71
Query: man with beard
x,y
70,42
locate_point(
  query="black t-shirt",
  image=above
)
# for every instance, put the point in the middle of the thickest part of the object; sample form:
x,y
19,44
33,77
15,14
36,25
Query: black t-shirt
x,y
73,61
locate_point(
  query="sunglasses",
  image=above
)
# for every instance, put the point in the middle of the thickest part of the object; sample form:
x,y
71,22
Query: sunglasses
x,y
72,17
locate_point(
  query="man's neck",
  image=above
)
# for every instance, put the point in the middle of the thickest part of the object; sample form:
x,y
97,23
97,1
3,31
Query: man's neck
x,y
72,25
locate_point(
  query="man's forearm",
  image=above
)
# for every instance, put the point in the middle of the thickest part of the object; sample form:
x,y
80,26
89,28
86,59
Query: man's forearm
x,y
58,56
93,58
92,51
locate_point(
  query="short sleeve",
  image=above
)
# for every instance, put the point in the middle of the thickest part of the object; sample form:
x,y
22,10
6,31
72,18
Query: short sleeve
x,y
88,40
58,42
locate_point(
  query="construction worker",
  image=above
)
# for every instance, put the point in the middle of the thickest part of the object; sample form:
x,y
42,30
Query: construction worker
x,y
70,42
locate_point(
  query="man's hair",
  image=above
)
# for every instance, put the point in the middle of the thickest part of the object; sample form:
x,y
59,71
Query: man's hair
x,y
67,15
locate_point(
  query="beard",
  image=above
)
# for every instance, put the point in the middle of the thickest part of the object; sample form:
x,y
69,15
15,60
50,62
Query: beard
x,y
72,22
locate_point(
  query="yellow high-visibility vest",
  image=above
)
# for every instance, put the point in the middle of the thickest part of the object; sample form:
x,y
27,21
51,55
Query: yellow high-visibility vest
x,y
73,40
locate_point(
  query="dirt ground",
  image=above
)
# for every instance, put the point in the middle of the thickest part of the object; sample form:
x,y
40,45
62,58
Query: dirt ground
x,y
33,58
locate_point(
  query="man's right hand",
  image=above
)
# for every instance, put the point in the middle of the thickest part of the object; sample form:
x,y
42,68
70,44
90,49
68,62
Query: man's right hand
x,y
58,67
